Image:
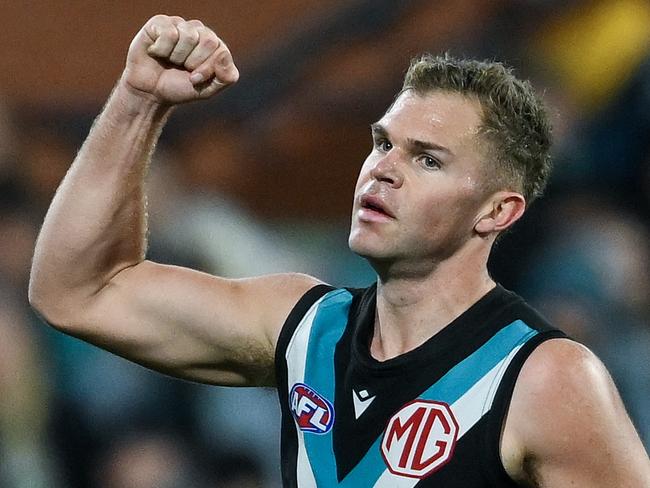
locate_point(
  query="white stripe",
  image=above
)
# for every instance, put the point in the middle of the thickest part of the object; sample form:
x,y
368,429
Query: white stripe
x,y
296,356
468,410
296,353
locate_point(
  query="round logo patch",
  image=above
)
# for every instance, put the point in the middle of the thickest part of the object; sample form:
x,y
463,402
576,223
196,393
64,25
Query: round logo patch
x,y
312,412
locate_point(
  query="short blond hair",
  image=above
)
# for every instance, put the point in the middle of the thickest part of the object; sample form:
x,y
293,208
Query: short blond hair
x,y
514,119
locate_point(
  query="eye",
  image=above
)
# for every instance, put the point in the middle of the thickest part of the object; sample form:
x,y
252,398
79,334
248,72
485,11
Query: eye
x,y
383,145
429,162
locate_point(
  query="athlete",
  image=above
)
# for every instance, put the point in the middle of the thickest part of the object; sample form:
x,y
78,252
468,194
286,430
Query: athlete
x,y
435,375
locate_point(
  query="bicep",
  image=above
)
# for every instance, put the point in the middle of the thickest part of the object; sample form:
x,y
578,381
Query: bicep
x,y
193,325
572,424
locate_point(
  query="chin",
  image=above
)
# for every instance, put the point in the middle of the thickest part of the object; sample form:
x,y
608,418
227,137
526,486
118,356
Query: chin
x,y
357,246
363,247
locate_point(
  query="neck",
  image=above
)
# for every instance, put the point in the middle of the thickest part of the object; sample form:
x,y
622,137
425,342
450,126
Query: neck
x,y
412,307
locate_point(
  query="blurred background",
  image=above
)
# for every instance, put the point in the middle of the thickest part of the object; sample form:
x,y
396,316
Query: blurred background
x,y
261,179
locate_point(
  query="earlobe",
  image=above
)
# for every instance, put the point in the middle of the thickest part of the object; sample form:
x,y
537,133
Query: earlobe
x,y
505,208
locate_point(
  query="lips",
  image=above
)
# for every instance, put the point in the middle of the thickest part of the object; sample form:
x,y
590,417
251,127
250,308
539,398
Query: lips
x,y
375,204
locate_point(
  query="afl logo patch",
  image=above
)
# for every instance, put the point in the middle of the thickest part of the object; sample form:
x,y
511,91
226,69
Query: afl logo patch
x,y
419,439
313,413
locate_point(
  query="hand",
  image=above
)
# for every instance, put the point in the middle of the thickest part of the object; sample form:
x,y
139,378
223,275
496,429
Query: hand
x,y
174,60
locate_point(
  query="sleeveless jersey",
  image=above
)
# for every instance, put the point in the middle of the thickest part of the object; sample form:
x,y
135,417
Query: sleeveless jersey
x,y
430,417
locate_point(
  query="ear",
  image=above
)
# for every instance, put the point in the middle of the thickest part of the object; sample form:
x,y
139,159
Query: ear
x,y
500,212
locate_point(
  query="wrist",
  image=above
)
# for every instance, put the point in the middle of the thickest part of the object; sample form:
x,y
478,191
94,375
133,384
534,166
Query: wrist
x,y
137,103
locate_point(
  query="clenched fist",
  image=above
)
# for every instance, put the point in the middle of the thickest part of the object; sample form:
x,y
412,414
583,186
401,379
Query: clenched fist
x,y
175,60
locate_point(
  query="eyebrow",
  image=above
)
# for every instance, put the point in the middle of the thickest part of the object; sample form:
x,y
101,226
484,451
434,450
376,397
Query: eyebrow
x,y
417,145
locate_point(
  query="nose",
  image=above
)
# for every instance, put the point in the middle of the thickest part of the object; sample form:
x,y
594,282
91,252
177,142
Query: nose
x,y
387,170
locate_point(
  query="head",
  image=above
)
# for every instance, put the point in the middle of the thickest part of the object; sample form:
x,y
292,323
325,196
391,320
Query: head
x,y
515,130
457,158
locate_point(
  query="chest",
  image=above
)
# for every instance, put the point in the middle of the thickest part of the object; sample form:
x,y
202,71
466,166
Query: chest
x,y
420,420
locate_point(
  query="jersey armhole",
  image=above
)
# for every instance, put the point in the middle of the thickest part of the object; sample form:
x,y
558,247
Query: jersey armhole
x,y
289,327
493,464
289,440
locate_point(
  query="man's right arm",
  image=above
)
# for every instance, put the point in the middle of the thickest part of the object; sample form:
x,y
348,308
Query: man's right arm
x,y
89,276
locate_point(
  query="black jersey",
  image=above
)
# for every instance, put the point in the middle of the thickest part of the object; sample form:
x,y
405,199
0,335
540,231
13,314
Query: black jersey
x,y
430,417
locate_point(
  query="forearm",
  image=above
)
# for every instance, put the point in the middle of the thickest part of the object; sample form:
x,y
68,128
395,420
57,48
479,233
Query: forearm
x,y
96,224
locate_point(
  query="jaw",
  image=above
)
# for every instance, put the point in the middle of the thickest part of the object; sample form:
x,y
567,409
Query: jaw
x,y
386,253
371,240
393,253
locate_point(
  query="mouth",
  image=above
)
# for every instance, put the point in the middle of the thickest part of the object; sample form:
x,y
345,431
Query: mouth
x,y
374,206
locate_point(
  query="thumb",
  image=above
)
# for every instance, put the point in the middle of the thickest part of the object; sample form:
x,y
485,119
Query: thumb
x,y
217,71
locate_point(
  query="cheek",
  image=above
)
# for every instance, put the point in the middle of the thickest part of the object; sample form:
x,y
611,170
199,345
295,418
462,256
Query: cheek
x,y
446,212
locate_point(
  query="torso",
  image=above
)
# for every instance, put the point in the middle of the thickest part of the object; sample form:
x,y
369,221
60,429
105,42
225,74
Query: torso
x,y
430,417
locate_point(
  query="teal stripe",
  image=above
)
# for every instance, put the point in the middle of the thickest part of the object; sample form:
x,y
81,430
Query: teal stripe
x,y
328,327
449,389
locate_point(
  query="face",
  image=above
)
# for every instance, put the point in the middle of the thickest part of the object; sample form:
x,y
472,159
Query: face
x,y
419,193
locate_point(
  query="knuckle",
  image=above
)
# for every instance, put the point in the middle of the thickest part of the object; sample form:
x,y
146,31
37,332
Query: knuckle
x,y
211,42
159,18
188,31
195,23
233,74
172,33
224,59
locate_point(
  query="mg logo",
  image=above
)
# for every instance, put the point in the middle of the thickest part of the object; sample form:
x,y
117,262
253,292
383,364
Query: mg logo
x,y
313,413
419,439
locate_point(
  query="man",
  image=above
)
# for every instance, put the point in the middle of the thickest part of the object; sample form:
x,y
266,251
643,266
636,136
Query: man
x,y
436,376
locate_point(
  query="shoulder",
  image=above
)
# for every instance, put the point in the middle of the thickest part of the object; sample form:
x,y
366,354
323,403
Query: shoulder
x,y
569,423
565,374
280,294
282,286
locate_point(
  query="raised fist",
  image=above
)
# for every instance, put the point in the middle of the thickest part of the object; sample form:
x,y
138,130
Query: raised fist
x,y
175,60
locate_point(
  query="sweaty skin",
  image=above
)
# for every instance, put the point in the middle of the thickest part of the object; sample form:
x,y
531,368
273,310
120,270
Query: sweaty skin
x,y
421,217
